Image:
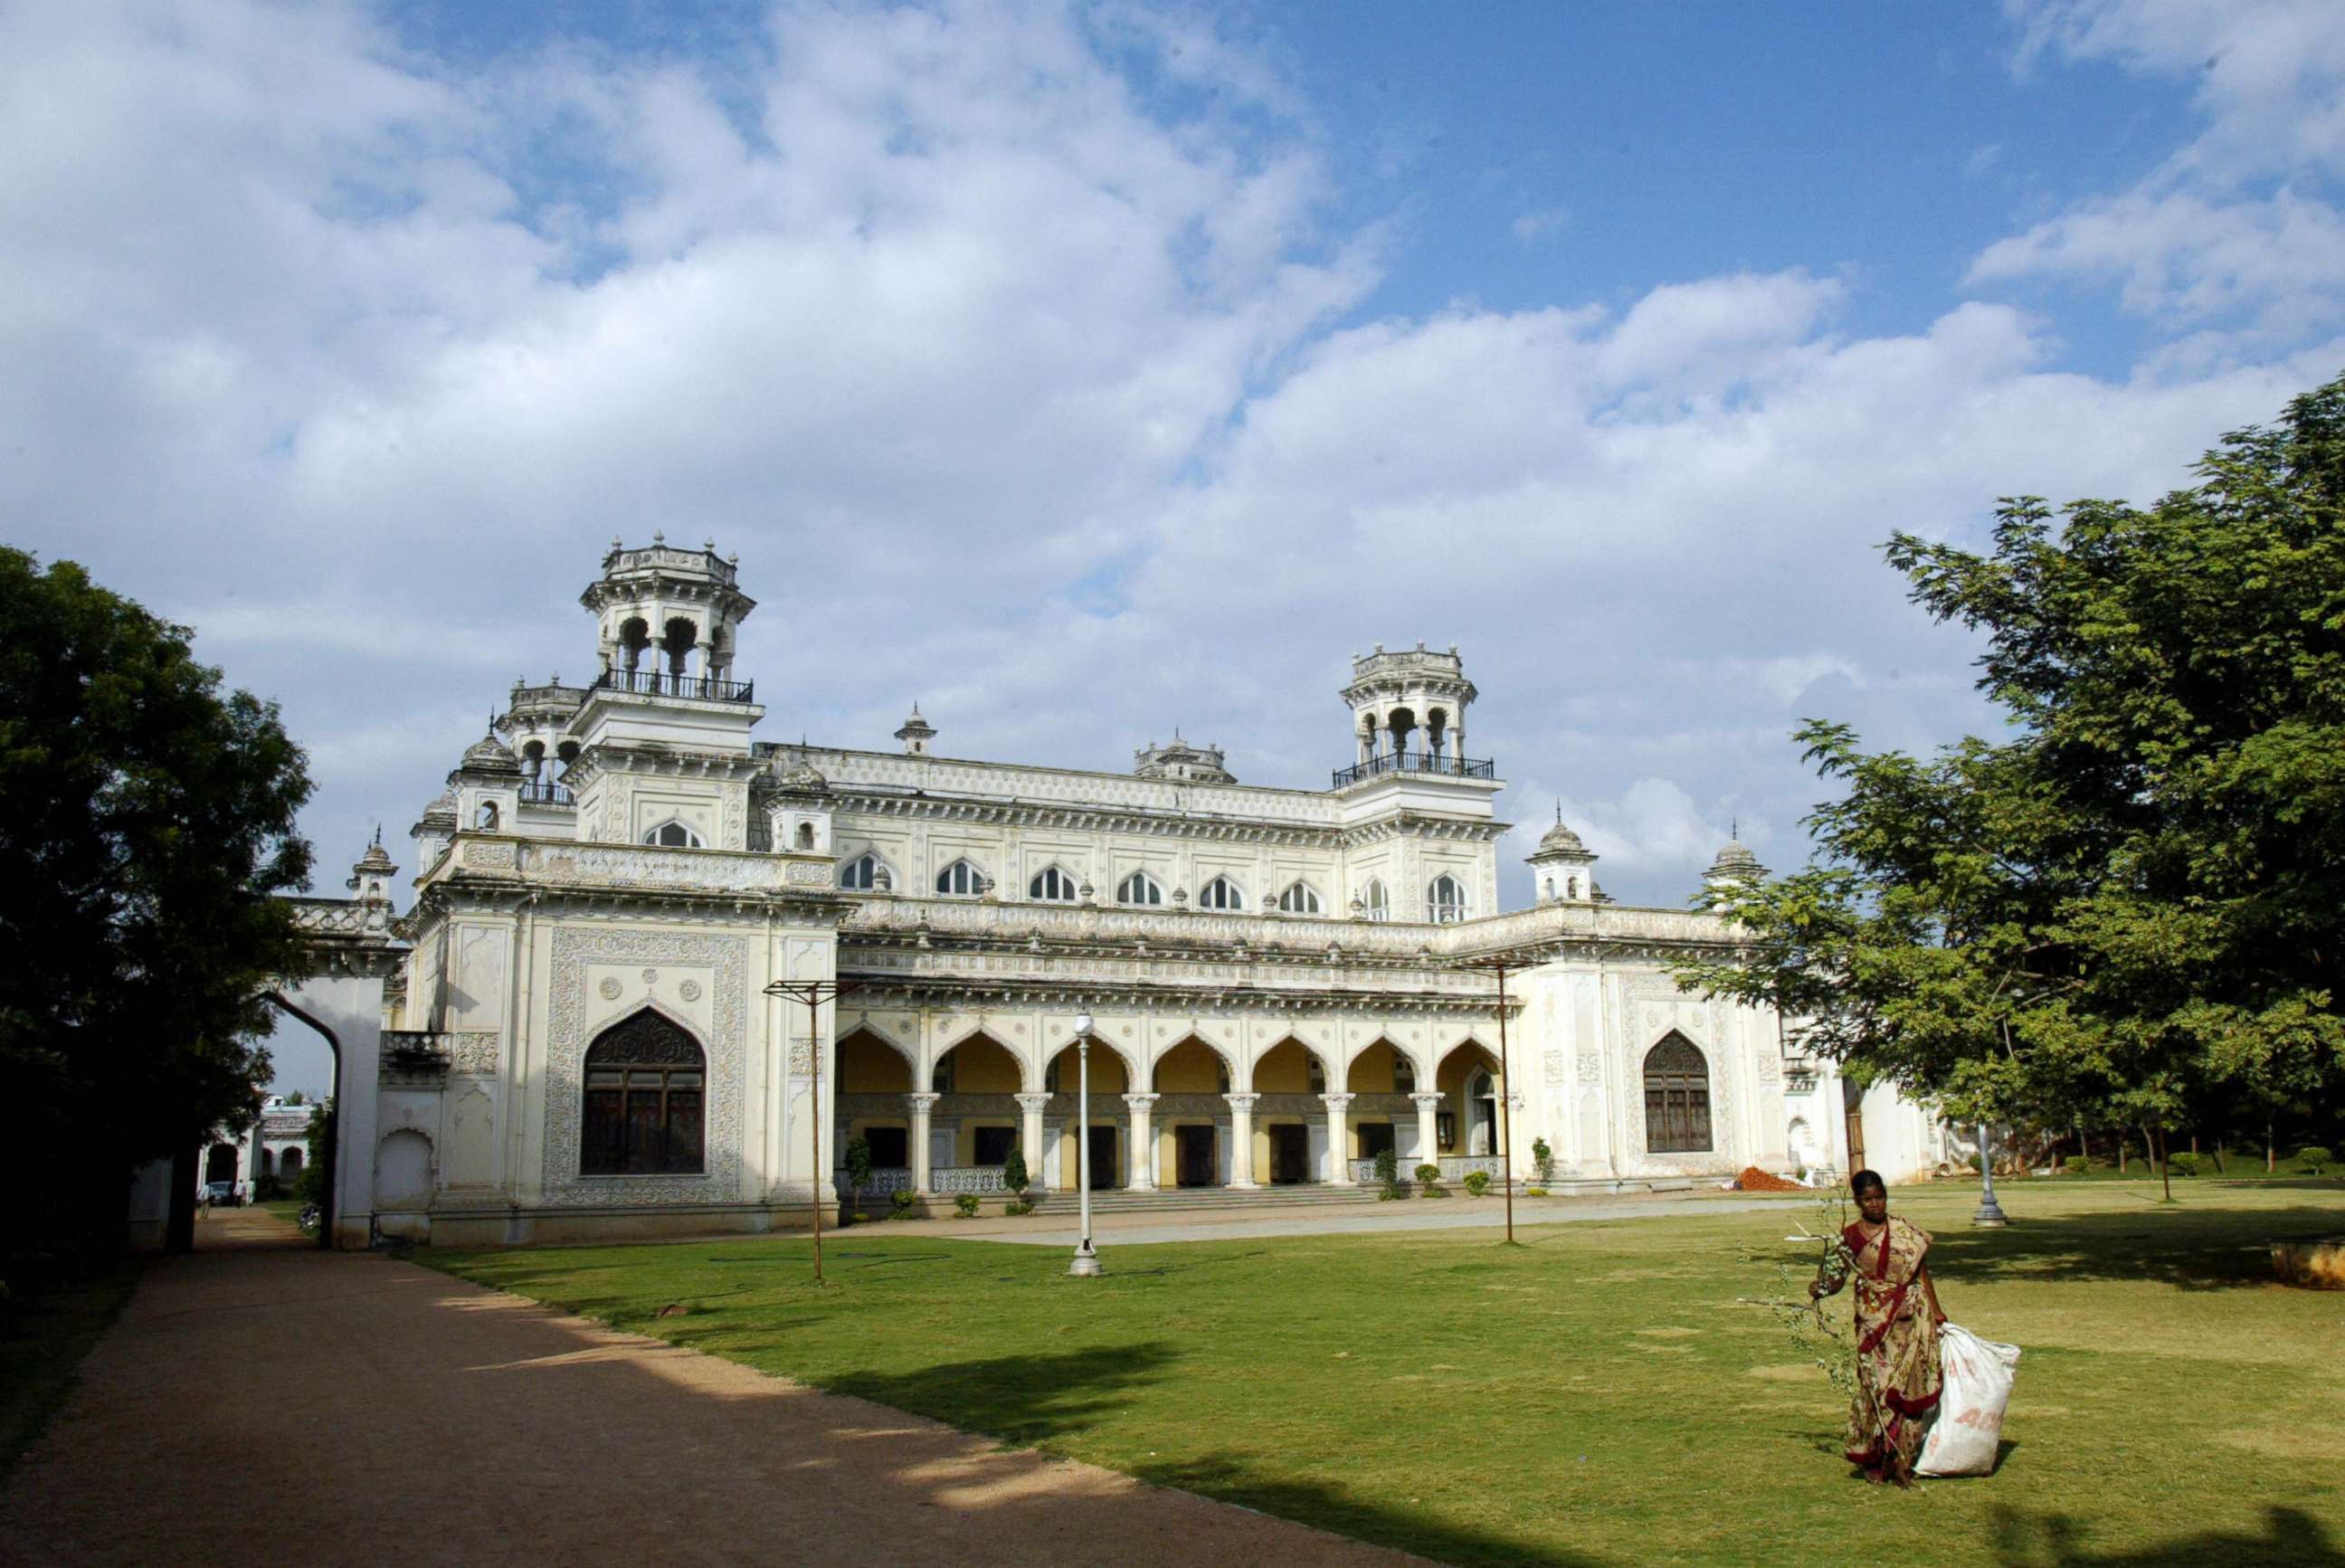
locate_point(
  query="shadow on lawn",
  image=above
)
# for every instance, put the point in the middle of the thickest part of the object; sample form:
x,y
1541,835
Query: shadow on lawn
x,y
2191,1249
2291,1539
1039,1399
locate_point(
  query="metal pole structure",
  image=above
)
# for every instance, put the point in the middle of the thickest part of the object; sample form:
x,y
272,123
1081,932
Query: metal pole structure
x,y
1505,1115
1990,1215
814,993
1086,1264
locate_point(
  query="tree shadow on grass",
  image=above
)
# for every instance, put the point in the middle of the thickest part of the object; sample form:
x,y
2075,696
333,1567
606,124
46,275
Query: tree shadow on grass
x,y
2289,1538
1043,1400
2190,1249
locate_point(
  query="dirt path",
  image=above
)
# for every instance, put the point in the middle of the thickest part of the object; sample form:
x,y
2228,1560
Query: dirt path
x,y
284,1405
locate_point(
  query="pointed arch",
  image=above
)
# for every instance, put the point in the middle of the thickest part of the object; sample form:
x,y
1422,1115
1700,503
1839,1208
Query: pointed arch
x,y
1025,1069
675,834
1230,1074
963,878
1221,893
646,1089
1321,1074
1139,890
1053,884
1376,901
1677,1097
1299,897
865,872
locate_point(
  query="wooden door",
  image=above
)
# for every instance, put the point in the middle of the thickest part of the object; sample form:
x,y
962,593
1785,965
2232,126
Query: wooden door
x,y
1290,1153
1193,1150
1105,1172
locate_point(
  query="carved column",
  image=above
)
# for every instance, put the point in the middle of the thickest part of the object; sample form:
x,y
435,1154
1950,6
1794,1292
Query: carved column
x,y
1029,1136
920,1105
1242,1139
1143,1142
1339,1161
1429,1131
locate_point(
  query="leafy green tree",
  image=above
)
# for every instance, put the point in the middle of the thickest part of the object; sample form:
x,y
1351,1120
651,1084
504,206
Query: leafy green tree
x,y
858,1171
2131,908
146,825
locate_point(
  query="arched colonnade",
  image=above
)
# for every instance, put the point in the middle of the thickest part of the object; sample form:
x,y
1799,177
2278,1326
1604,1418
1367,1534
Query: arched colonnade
x,y
1192,1113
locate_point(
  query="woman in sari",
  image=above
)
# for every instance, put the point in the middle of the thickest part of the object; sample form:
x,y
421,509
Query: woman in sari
x,y
1897,1319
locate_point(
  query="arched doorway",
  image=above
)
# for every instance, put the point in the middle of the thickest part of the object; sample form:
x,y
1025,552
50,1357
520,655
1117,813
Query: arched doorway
x,y
1677,1097
1291,1126
1191,1083
219,1163
1109,1124
975,1121
1382,1082
646,1087
872,1079
1466,1123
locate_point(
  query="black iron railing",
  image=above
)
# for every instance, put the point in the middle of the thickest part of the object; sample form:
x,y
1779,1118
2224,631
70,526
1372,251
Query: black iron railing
x,y
661,683
545,792
1417,762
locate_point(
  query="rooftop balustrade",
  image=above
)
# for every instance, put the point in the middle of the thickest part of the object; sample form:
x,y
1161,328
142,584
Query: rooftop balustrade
x,y
666,682
1417,762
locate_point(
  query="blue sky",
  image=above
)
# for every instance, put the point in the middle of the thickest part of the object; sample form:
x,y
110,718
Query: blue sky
x,y
1087,371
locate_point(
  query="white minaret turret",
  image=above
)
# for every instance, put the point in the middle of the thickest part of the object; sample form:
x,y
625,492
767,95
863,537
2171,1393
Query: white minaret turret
x,y
915,734
1408,710
1563,867
667,618
1733,869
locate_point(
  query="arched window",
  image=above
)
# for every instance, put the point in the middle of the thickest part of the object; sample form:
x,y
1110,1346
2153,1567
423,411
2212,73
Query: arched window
x,y
485,818
1054,886
961,881
1379,901
1299,899
1314,1075
1139,888
646,1084
1677,1097
860,874
289,1163
1221,893
1445,901
673,835
533,757
1404,1074
805,834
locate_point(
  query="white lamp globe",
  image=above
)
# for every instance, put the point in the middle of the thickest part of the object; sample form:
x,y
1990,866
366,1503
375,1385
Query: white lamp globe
x,y
1082,1026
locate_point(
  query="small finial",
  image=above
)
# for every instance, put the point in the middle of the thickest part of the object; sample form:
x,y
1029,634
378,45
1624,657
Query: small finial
x,y
1559,810
1734,826
378,835
659,535
709,544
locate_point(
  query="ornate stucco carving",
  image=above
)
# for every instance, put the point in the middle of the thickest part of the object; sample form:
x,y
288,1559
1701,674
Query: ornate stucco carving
x,y
727,1043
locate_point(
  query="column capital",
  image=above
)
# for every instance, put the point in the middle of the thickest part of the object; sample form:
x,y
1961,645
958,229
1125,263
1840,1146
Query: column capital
x,y
1336,1102
921,1105
1428,1101
1242,1102
1140,1102
1033,1105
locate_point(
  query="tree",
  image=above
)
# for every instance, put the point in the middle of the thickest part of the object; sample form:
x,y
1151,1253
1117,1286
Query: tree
x,y
2132,908
858,1171
146,825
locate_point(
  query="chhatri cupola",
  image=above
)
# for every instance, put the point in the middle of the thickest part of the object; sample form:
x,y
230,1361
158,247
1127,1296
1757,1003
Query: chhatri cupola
x,y
1408,735
662,739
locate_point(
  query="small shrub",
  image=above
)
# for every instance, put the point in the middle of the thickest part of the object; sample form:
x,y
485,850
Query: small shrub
x,y
1017,1206
2183,1164
964,1206
1476,1183
860,1218
900,1202
1543,1161
2076,1165
1014,1175
1387,1167
2312,1159
1428,1181
1534,1192
1972,1161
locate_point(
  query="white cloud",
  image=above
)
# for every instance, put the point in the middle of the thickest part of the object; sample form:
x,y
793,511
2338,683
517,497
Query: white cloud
x,y
2233,229
1541,221
1014,390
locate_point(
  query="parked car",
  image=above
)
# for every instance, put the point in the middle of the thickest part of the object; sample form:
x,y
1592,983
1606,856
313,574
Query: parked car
x,y
222,1194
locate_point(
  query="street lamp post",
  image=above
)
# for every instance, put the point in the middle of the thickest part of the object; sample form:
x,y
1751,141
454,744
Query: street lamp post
x,y
1086,1264
814,993
1990,1215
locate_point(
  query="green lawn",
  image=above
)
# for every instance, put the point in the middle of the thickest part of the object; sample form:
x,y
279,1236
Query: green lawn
x,y
42,1347
1598,1395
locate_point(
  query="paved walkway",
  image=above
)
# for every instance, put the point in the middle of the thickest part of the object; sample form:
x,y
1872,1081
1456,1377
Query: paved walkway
x,y
282,1405
1056,1225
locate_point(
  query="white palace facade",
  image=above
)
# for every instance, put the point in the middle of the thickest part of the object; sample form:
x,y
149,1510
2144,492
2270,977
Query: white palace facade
x,y
578,1039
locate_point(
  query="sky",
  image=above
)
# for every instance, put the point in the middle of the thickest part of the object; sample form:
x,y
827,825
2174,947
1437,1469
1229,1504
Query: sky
x,y
1083,372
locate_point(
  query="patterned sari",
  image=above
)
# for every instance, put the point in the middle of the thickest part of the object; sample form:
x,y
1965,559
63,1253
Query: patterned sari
x,y
1896,1349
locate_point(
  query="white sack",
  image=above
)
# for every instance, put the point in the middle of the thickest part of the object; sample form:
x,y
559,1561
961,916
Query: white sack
x,y
1977,1385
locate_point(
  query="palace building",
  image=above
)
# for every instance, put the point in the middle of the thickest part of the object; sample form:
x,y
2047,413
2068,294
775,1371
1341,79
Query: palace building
x,y
578,1038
